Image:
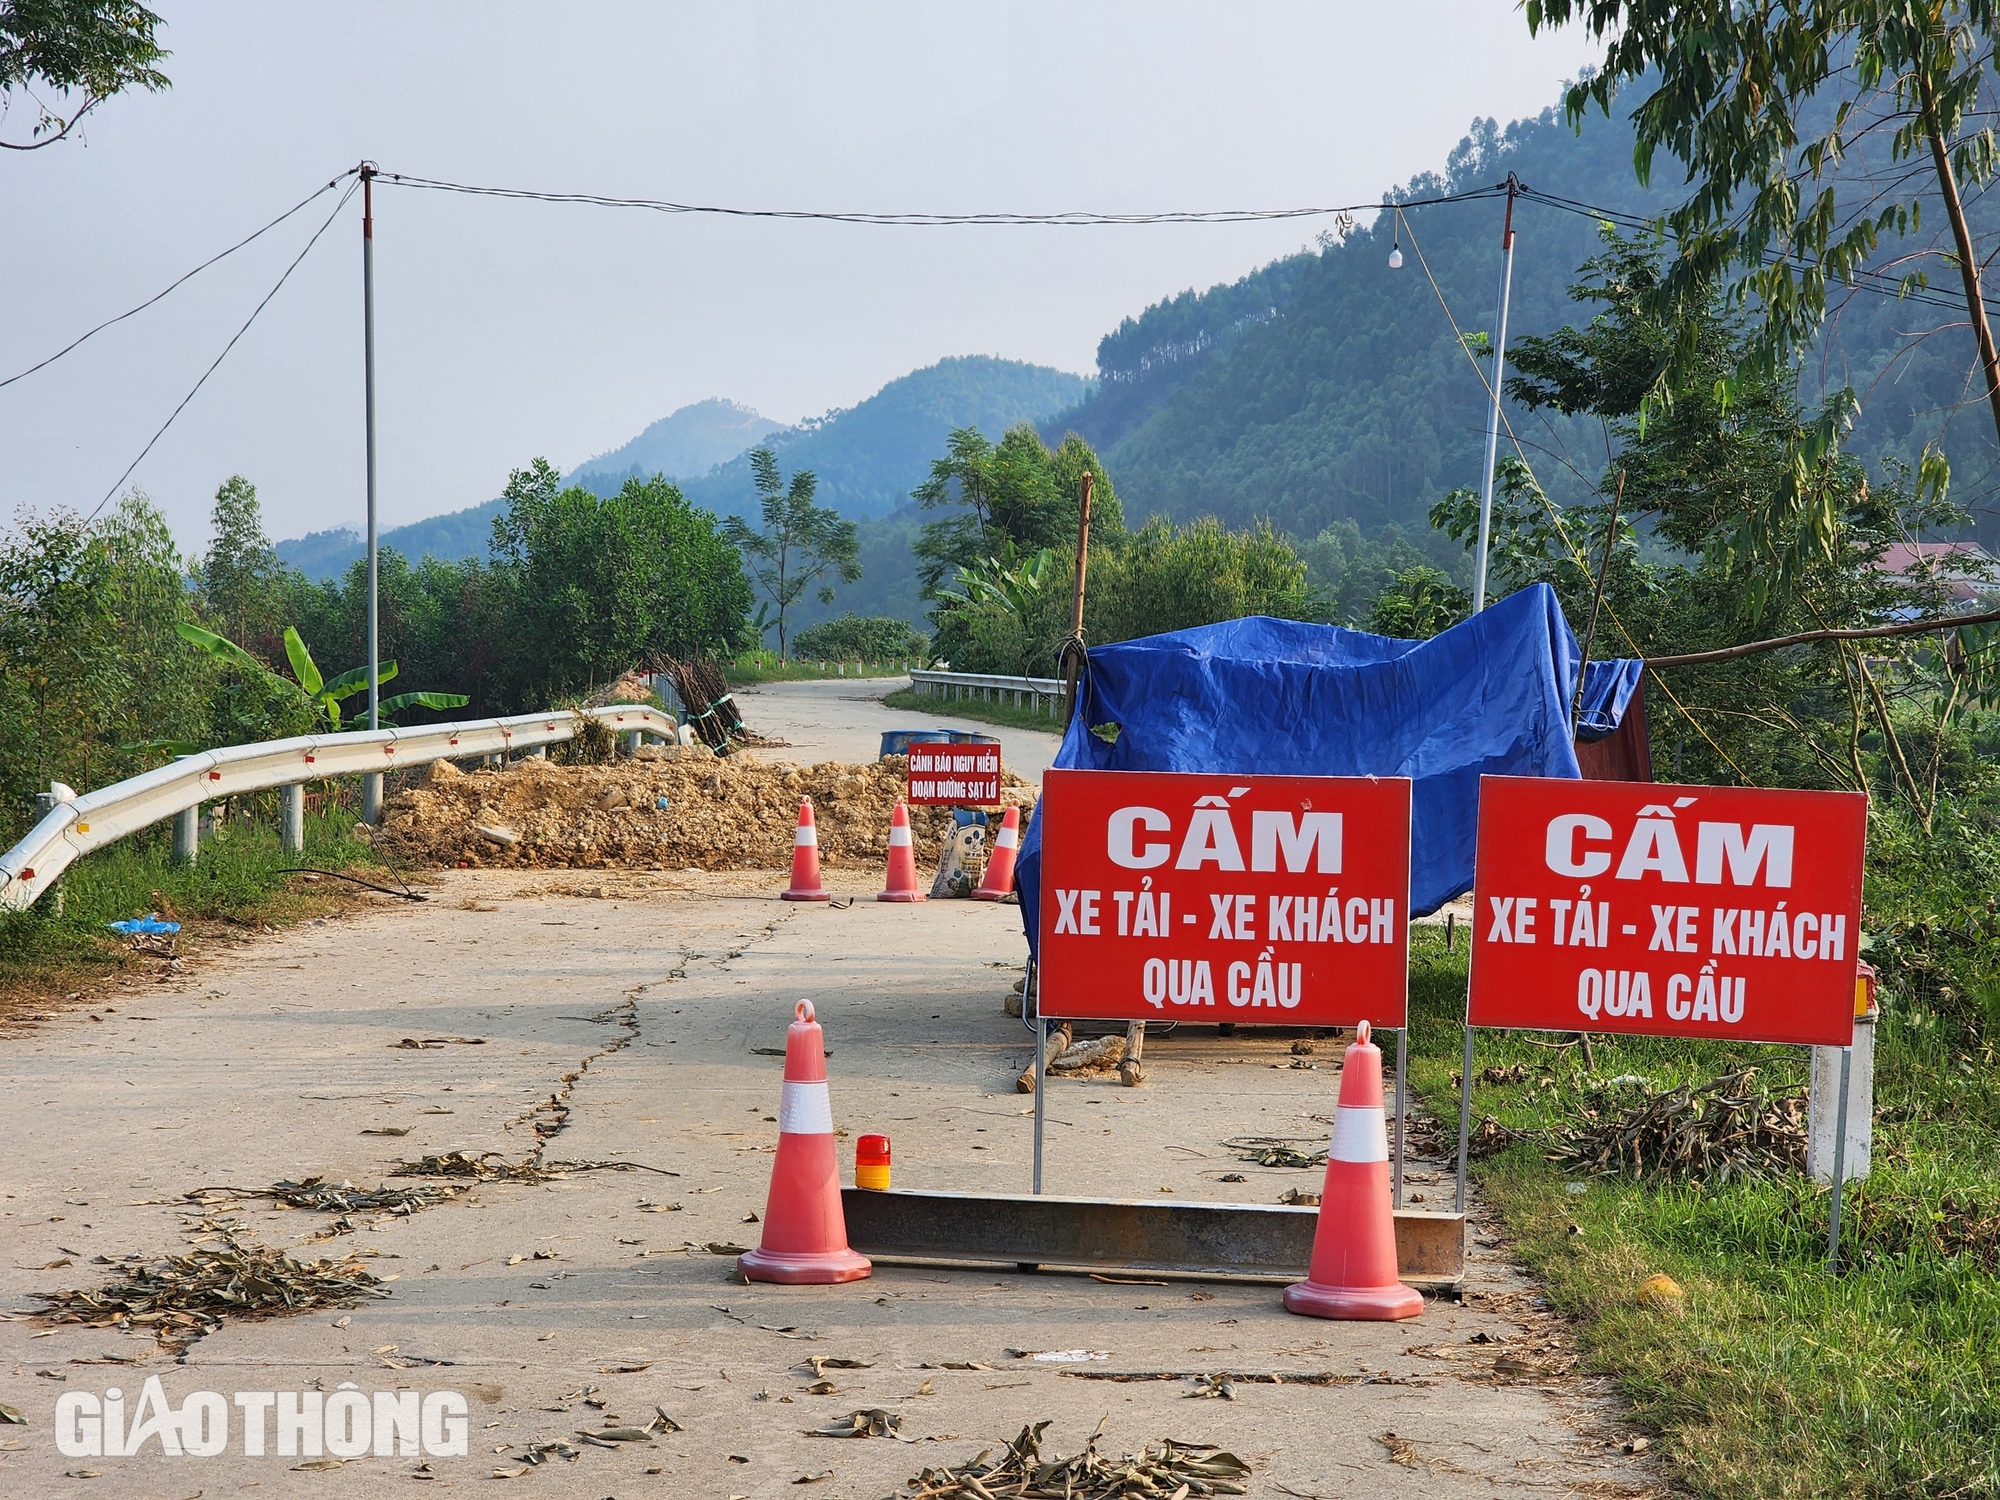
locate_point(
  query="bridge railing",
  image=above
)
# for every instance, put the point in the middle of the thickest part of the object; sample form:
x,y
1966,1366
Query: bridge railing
x,y
1039,694
73,829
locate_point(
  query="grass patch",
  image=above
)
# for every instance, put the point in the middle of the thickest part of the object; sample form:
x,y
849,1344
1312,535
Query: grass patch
x,y
236,880
1003,714
765,667
1772,1380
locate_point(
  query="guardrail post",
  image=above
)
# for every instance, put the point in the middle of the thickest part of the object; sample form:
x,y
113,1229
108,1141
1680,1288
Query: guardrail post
x,y
632,740
371,798
292,817
187,834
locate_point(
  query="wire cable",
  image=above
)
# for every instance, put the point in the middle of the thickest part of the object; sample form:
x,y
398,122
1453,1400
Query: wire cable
x,y
1864,280
351,189
1077,218
175,285
1576,555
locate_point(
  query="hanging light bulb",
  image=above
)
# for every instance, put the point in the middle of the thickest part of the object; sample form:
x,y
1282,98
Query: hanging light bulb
x,y
1396,249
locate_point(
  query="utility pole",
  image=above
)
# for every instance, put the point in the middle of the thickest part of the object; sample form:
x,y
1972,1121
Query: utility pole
x,y
1493,419
1073,653
371,784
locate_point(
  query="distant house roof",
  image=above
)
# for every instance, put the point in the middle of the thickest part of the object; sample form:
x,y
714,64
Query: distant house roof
x,y
1967,570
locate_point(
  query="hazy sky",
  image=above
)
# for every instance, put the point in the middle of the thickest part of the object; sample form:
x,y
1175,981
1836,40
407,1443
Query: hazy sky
x,y
507,330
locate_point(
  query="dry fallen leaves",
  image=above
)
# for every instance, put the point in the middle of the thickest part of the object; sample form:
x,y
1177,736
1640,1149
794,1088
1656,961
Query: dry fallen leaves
x,y
1168,1468
874,1422
183,1297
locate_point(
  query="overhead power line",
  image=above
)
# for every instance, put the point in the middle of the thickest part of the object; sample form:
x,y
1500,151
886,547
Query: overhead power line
x,y
1864,281
177,283
266,302
1072,219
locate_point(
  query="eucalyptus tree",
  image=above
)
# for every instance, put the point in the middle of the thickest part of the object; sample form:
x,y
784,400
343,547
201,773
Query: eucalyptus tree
x,y
66,57
1811,133
802,544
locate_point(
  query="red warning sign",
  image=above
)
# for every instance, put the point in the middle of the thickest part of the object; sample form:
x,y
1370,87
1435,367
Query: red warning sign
x,y
1262,900
963,775
1729,912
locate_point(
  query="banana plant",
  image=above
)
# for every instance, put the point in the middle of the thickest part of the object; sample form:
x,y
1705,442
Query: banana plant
x,y
328,695
992,580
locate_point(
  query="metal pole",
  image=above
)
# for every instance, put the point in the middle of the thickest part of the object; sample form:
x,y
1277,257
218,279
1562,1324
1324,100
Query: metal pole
x,y
371,784
1464,1115
1493,419
1839,1164
1402,1071
292,818
187,835
1041,1082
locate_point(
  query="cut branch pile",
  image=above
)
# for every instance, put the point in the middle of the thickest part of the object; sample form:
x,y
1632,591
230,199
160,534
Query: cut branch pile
x,y
704,693
1169,1470
1733,1126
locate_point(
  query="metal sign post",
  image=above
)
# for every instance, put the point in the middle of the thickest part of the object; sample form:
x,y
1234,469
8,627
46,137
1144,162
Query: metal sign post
x,y
1396,1134
1041,1075
1839,1164
1464,1113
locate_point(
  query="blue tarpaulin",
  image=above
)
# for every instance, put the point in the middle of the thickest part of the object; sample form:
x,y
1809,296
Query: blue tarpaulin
x,y
1491,696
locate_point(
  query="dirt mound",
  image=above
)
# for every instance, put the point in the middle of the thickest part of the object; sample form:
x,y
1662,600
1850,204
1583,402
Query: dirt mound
x,y
672,811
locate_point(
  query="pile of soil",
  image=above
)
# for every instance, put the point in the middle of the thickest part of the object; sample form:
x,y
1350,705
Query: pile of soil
x,y
718,814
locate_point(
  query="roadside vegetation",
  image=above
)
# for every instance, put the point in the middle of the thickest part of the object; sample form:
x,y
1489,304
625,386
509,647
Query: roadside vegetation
x,y
1767,1376
62,948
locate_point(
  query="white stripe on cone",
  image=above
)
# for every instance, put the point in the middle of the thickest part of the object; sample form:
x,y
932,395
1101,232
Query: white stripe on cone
x,y
1359,1134
805,1110
807,837
1009,838
899,835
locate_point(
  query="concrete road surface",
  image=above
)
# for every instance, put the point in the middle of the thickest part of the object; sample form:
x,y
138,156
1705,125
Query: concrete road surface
x,y
631,1019
843,719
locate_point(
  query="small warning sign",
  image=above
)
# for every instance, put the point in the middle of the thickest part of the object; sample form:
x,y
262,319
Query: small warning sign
x,y
955,775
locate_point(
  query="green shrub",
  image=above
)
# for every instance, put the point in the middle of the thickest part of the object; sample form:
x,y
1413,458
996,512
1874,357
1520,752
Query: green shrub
x,y
860,638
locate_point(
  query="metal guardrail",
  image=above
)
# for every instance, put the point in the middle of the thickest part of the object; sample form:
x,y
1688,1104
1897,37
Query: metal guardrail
x,y
76,828
991,688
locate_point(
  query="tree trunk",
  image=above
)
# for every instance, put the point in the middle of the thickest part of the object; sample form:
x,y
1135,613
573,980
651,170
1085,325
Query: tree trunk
x,y
1961,233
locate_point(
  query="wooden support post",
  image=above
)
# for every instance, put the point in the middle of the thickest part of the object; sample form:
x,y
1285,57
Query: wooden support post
x,y
1132,1071
1073,653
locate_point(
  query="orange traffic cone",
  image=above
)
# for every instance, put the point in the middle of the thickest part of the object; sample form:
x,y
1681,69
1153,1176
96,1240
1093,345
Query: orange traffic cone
x,y
1353,1271
902,860
999,879
805,859
805,1232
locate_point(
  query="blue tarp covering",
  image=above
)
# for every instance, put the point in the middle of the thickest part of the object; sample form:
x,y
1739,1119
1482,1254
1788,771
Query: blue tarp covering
x,y
1488,697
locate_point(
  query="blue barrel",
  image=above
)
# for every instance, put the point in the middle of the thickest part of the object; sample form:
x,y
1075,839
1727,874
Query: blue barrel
x,y
898,741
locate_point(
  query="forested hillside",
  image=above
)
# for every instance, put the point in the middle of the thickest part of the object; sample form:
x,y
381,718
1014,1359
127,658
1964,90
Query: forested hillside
x,y
870,456
1328,388
462,533
691,441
